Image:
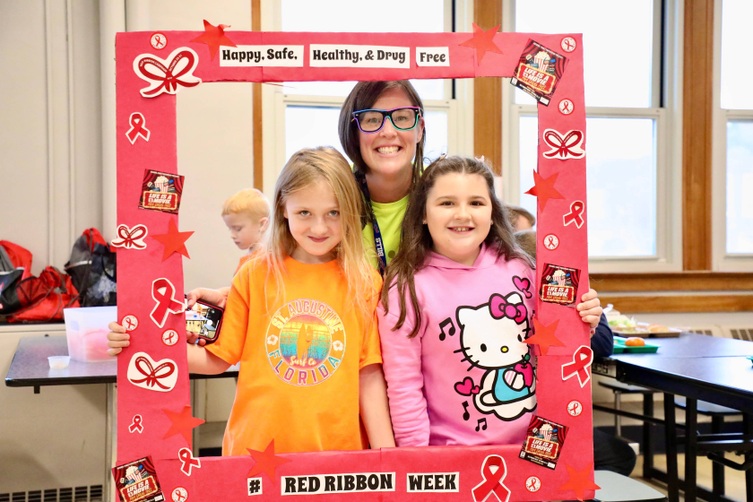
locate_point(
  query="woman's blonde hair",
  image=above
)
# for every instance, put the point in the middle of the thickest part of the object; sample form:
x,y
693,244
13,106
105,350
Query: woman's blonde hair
x,y
303,169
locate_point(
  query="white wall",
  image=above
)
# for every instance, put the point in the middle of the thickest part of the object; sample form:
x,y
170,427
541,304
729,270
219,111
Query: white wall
x,y
54,173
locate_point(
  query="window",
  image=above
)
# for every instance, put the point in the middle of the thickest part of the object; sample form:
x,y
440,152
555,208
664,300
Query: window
x,y
733,239
632,165
305,114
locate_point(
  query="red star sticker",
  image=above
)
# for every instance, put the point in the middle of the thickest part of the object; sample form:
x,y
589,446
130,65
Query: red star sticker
x,y
266,461
544,336
579,481
544,189
182,423
482,41
214,37
173,241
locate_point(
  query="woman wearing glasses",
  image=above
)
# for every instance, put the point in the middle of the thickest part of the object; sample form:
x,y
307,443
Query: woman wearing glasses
x,y
382,130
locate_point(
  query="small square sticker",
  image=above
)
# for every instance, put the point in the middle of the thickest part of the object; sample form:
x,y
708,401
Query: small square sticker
x,y
161,191
137,481
543,443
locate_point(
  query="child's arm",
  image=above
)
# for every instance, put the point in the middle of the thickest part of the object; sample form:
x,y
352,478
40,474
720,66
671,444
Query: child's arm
x,y
374,409
590,309
200,360
214,296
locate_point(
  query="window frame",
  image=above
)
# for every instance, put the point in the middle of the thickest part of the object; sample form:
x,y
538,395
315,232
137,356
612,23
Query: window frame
x,y
667,145
458,101
722,261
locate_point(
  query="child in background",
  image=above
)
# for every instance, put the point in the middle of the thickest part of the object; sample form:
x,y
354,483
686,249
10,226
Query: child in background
x,y
246,215
300,319
456,308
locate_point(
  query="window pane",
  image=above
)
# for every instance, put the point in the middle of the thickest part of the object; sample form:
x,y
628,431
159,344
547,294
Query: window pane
x,y
621,184
739,187
618,55
423,16
311,126
735,83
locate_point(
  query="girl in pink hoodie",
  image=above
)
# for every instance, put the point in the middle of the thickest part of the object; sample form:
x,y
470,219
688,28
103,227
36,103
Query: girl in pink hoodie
x,y
456,308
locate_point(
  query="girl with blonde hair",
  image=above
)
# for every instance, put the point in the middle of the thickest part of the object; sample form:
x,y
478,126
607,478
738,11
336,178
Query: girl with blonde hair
x,y
300,319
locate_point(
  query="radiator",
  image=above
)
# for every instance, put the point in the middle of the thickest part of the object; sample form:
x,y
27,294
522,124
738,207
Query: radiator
x,y
91,493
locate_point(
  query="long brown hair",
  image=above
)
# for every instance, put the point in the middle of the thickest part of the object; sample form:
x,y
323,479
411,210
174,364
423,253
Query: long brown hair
x,y
416,242
363,96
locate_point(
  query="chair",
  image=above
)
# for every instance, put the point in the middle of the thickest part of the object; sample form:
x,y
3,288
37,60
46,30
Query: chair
x,y
715,412
614,487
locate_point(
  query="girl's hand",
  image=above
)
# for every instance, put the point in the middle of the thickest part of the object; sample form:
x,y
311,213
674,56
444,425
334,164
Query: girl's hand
x,y
214,296
590,309
117,339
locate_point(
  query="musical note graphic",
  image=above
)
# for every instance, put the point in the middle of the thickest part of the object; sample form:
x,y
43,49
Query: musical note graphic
x,y
481,424
466,415
442,326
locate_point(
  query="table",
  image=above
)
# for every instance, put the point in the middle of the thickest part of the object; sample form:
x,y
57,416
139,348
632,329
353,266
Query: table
x,y
698,367
30,368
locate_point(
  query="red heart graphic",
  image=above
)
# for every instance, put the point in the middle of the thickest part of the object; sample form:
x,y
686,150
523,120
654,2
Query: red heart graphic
x,y
523,284
466,387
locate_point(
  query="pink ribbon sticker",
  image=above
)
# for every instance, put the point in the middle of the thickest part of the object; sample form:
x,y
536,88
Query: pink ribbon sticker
x,y
138,129
146,373
575,215
163,293
492,482
188,461
564,147
165,77
130,237
582,359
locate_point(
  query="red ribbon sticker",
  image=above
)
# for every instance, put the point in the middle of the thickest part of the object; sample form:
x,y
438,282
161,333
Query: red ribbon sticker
x,y
136,425
188,461
582,359
144,372
167,77
163,293
575,215
492,482
130,237
137,121
564,147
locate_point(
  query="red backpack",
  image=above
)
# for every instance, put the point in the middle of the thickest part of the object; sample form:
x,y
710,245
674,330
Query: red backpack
x,y
34,299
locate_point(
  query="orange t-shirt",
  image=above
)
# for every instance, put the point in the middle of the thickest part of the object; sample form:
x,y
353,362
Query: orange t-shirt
x,y
300,358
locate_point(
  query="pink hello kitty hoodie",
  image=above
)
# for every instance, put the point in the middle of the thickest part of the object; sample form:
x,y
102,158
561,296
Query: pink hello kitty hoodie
x,y
467,378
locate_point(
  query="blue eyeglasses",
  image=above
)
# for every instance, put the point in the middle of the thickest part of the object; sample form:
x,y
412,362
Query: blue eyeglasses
x,y
372,120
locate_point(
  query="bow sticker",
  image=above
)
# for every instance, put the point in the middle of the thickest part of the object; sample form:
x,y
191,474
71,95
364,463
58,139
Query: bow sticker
x,y
166,76
145,372
567,146
130,237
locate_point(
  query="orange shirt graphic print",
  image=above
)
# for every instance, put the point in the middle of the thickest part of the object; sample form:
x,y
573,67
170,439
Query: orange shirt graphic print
x,y
305,342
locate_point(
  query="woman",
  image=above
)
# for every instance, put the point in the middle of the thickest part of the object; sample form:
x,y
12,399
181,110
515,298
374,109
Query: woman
x,y
382,131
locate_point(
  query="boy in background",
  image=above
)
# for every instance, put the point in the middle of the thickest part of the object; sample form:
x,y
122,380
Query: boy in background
x,y
246,215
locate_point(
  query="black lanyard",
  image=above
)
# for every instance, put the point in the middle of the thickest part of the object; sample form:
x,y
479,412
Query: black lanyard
x,y
378,241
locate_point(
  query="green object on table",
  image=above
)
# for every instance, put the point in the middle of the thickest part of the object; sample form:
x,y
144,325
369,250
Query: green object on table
x,y
620,347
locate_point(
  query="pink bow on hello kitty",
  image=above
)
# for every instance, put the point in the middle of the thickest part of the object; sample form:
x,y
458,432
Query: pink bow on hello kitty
x,y
499,308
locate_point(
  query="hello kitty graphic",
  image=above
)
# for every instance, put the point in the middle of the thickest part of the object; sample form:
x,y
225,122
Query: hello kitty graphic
x,y
492,338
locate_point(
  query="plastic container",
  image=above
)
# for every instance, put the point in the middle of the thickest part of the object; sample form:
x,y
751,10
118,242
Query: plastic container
x,y
58,362
86,332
